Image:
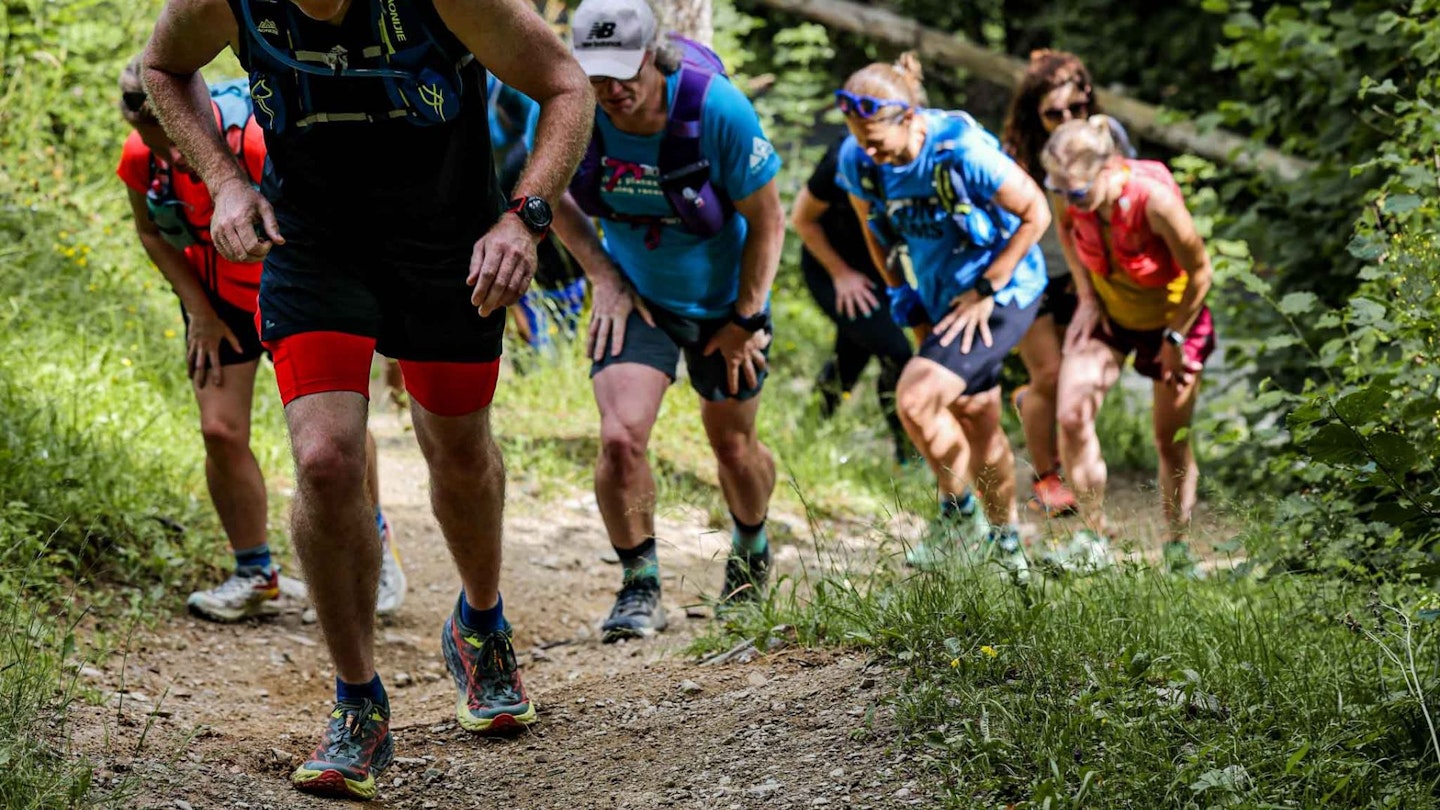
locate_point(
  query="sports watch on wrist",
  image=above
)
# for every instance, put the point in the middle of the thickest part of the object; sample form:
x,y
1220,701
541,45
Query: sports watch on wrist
x,y
984,288
534,212
1173,337
750,323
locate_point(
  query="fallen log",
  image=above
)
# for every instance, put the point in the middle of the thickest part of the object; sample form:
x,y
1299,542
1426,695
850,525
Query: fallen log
x,y
1146,120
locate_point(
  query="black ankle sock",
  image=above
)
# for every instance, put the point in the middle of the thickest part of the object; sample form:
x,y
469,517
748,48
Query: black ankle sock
x,y
641,562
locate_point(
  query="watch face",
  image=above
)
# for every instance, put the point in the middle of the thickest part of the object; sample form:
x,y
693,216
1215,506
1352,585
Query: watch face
x,y
536,213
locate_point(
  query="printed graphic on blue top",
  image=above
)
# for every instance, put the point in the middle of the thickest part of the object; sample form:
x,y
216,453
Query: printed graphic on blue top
x,y
946,260
687,274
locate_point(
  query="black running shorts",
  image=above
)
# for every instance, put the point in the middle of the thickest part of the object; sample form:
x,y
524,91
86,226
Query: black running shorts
x,y
661,345
980,368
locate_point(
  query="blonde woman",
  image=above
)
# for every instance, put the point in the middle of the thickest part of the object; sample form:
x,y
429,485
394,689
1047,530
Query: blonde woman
x,y
1141,275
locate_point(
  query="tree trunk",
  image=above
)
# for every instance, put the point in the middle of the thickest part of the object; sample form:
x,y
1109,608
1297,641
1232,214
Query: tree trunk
x,y
689,18
1148,121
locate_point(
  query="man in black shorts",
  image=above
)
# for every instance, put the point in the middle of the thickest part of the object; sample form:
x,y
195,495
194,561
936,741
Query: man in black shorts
x,y
381,227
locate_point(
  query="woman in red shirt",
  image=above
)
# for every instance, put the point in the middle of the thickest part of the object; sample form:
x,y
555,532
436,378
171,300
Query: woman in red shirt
x,y
172,209
1141,275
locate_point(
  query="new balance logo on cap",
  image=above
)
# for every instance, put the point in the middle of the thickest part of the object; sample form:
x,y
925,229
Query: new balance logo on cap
x,y
602,30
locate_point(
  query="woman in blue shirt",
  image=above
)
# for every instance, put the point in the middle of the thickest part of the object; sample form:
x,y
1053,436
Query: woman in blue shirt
x,y
955,224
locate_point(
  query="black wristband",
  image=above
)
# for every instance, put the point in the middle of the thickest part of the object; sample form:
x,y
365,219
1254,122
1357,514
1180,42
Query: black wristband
x,y
984,288
750,323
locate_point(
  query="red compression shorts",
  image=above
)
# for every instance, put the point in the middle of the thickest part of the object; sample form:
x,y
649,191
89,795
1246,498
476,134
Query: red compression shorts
x,y
320,362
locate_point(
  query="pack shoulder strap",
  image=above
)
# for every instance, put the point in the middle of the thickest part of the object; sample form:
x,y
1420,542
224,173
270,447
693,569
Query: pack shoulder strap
x,y
232,98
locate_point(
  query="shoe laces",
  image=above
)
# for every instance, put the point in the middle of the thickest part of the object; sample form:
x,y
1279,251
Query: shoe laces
x,y
634,598
495,664
347,738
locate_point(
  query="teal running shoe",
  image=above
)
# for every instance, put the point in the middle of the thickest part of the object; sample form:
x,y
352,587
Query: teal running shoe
x,y
960,534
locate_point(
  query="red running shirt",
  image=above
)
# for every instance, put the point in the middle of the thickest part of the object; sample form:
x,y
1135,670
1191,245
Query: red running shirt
x,y
238,284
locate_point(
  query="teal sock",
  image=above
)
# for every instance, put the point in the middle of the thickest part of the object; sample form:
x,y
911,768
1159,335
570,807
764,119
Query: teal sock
x,y
962,505
253,559
640,562
748,540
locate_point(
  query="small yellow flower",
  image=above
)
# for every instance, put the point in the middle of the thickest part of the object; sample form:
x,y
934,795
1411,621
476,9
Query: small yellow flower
x,y
82,261
954,662
64,234
125,361
169,333
988,651
85,249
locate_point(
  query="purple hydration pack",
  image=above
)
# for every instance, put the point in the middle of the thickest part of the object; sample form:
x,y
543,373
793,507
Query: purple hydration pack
x,y
699,207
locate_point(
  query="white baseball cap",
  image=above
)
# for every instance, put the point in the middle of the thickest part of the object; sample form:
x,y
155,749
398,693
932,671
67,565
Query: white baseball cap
x,y
609,37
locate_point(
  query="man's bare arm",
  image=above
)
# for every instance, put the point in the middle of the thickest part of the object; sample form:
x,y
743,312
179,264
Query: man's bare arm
x,y
187,36
517,45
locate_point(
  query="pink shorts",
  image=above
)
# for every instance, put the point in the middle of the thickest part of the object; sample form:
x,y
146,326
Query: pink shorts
x,y
1145,343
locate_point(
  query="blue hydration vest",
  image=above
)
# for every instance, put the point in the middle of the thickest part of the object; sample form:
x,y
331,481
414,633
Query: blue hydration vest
x,y
981,223
421,73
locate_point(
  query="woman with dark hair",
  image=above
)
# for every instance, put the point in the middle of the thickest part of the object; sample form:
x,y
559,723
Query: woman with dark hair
x,y
935,183
845,284
1056,88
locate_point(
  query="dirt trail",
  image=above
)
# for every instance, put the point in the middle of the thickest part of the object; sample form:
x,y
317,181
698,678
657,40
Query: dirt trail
x,y
226,711
207,716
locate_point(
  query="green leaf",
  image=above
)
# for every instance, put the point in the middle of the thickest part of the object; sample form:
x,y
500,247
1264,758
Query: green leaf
x,y
1393,452
1364,311
1297,303
1402,203
1336,444
1362,405
1296,757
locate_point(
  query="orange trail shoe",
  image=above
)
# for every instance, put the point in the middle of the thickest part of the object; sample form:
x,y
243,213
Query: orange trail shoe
x,y
1052,497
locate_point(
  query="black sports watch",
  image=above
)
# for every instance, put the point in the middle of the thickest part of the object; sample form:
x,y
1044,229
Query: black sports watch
x,y
534,212
750,323
984,288
1173,337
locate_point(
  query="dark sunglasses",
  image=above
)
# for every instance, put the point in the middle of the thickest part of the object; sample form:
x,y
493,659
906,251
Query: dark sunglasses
x,y
865,106
133,100
1074,195
1058,115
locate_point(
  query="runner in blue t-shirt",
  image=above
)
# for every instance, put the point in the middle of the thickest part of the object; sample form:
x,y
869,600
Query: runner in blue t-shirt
x,y
556,297
685,266
955,223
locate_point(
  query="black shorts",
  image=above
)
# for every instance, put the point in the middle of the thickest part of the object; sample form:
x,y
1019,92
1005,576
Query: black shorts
x,y
1059,299
409,295
659,347
980,369
242,323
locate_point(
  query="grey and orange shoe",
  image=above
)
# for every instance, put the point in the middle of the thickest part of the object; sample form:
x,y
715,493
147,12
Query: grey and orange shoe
x,y
356,748
491,697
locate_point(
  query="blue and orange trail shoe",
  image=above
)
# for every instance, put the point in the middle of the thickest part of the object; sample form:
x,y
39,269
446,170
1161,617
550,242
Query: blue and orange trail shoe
x,y
356,748
247,593
491,699
638,612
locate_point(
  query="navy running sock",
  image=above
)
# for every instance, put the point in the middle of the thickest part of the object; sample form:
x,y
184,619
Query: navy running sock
x,y
374,691
962,505
253,559
640,562
489,620
749,540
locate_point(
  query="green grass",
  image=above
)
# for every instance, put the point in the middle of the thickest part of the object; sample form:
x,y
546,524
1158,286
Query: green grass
x,y
1132,689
